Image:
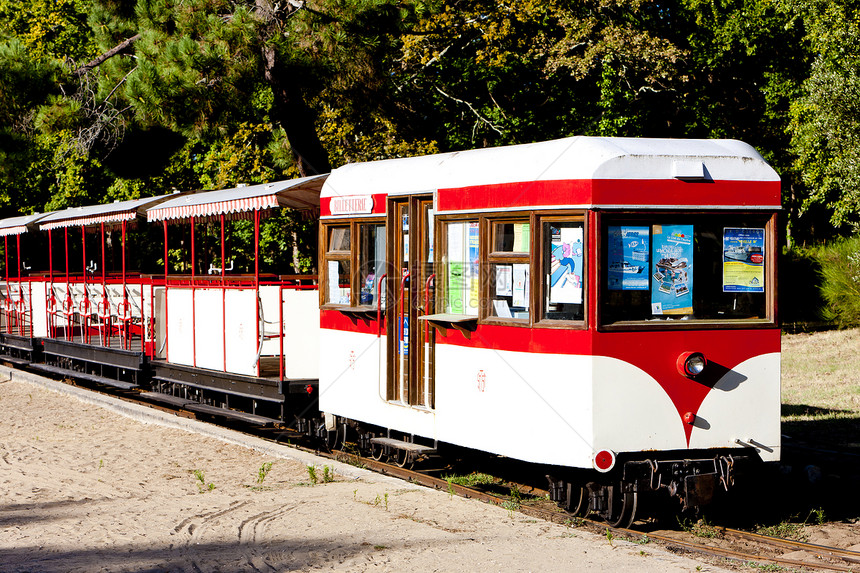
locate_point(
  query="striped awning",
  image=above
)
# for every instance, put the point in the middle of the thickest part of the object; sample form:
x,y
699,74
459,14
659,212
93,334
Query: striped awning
x,y
19,225
108,213
300,194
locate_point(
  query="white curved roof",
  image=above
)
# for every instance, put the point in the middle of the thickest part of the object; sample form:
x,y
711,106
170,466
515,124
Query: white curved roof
x,y
299,194
574,158
108,213
19,225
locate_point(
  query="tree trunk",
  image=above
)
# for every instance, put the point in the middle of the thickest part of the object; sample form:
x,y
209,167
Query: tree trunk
x,y
291,112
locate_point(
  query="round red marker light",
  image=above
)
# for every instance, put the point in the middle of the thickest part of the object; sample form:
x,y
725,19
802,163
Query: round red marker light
x,y
309,389
604,460
689,418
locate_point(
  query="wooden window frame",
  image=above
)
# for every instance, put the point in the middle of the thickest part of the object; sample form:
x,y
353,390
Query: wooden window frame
x,y
489,258
351,256
534,258
624,216
441,234
540,321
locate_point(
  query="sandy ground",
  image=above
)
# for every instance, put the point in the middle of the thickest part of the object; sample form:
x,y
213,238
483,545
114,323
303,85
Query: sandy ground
x,y
93,484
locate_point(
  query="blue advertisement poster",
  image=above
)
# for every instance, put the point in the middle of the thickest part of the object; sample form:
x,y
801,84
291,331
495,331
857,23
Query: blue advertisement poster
x,y
743,260
672,269
628,257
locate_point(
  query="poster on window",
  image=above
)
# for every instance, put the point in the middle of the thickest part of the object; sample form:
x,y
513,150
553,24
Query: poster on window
x,y
672,269
565,280
456,271
520,285
628,258
743,260
474,275
462,268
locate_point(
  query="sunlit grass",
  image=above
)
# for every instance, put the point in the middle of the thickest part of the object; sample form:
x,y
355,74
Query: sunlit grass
x,y
821,384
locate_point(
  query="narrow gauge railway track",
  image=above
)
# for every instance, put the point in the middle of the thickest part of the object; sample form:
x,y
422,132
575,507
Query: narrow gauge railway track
x,y
821,557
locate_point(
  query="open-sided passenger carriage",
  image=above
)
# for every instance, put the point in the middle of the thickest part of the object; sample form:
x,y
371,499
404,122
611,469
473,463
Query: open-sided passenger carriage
x,y
243,345
240,346
486,299
19,326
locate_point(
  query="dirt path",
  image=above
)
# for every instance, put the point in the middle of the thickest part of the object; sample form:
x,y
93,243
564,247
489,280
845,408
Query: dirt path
x,y
106,486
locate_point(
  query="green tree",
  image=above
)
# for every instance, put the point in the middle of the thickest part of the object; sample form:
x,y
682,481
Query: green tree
x,y
825,125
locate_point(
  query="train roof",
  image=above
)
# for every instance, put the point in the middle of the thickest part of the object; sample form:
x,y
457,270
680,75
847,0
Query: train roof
x,y
108,213
21,224
575,171
300,194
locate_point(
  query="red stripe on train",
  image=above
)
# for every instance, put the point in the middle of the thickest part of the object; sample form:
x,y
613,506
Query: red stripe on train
x,y
611,192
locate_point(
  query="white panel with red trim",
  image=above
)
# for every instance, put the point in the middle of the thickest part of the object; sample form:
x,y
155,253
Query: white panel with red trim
x,y
558,409
743,409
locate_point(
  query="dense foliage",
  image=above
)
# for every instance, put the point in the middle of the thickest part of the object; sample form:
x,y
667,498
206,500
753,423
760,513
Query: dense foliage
x,y
840,281
114,99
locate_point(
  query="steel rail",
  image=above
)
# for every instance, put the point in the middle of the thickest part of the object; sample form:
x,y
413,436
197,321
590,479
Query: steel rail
x,y
561,517
835,552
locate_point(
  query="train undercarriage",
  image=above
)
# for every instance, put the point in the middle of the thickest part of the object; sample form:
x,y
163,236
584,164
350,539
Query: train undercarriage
x,y
617,497
635,488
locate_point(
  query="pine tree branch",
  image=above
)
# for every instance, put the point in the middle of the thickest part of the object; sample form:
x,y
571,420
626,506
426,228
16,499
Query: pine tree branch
x,y
492,126
109,54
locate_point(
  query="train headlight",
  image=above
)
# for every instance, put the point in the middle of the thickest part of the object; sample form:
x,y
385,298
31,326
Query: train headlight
x,y
691,364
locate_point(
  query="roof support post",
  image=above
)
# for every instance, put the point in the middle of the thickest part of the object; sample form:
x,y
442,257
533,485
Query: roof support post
x,y
257,277
22,312
166,346
105,314
126,306
52,302
193,301
51,257
223,298
85,310
66,238
8,288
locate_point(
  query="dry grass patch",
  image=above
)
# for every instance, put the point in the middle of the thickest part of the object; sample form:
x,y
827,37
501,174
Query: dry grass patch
x,y
821,384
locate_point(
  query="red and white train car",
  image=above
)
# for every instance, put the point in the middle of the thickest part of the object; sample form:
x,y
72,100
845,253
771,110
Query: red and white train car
x,y
604,306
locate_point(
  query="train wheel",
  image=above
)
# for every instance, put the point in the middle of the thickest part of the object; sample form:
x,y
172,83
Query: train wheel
x,y
331,438
377,451
403,459
577,500
624,506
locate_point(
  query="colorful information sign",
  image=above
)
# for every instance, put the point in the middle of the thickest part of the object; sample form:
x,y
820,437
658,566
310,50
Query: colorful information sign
x,y
628,258
743,260
566,265
672,269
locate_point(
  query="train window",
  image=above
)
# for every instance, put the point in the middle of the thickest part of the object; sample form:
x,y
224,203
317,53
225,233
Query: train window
x,y
563,274
337,288
511,237
459,272
509,270
673,267
339,239
371,261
